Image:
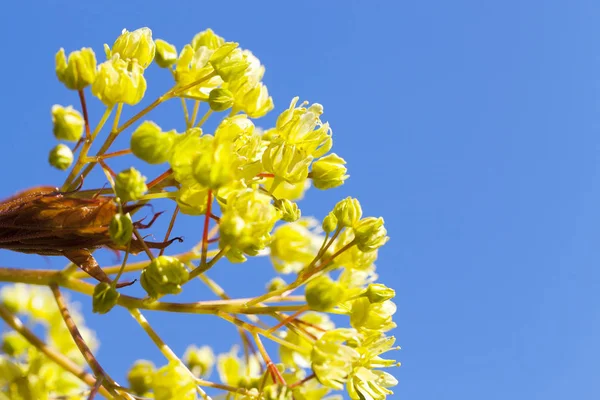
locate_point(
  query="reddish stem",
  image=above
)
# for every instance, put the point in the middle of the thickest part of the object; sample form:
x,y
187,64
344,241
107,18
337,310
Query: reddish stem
x,y
115,154
206,224
160,178
265,175
88,133
303,381
288,319
106,167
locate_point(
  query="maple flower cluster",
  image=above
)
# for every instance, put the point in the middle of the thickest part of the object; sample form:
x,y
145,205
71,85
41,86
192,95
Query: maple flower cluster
x,y
247,182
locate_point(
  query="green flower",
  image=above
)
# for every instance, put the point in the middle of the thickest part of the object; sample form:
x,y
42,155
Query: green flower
x,y
118,81
67,123
322,293
229,61
289,210
302,127
60,157
373,316
378,293
173,382
294,245
80,69
333,359
220,99
286,162
208,39
121,229
370,234
140,377
164,275
151,144
137,45
329,172
105,298
130,185
247,221
199,360
347,212
166,54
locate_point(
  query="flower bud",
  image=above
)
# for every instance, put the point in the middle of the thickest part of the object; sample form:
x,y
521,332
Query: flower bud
x,y
79,71
229,61
199,360
105,298
136,45
121,229
289,210
370,234
166,54
118,81
220,99
287,162
61,157
323,293
373,316
164,275
329,172
347,212
14,344
67,123
140,377
130,184
150,144
208,39
330,223
276,284
378,293
173,382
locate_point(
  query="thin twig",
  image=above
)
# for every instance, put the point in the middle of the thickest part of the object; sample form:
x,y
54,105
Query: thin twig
x,y
65,363
99,372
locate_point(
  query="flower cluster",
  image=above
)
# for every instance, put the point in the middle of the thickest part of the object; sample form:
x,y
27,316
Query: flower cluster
x,y
243,183
25,371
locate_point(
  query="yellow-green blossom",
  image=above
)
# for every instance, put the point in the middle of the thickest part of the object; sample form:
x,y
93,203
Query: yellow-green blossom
x,y
329,172
295,245
130,185
164,275
199,360
173,382
166,53
79,70
121,229
140,377
247,221
151,144
137,45
67,123
60,157
118,81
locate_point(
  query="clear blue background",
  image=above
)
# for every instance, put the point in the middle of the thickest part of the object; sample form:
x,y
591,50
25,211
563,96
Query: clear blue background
x,y
471,126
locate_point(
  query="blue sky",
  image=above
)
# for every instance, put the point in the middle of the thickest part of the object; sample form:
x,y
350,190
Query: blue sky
x,y
471,126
